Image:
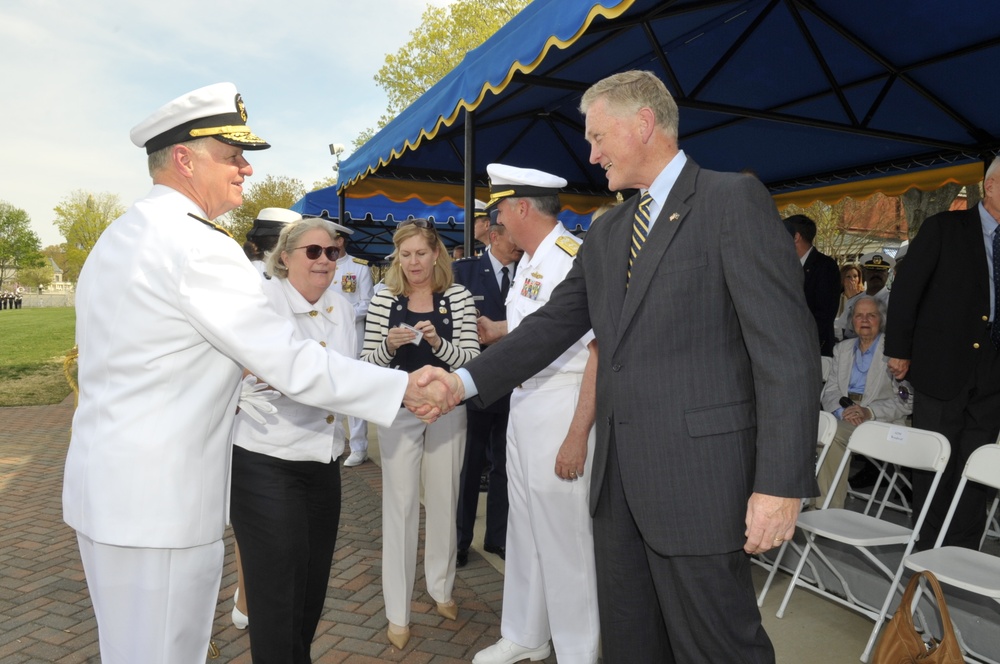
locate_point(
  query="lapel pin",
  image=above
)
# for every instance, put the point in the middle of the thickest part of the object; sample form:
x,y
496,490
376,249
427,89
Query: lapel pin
x,y
675,216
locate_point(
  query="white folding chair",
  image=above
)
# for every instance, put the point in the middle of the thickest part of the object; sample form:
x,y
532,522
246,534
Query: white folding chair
x,y
992,529
889,443
895,481
827,431
825,364
973,571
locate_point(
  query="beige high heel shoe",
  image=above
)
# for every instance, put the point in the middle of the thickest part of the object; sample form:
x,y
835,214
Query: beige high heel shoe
x,y
400,637
449,610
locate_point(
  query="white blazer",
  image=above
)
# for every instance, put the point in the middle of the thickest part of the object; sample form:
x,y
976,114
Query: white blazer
x,y
169,310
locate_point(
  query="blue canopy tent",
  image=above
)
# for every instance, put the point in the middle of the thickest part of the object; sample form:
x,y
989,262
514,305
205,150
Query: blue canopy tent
x,y
804,93
373,218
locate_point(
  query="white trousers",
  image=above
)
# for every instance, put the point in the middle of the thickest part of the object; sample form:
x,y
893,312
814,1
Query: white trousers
x,y
550,583
413,452
358,432
154,606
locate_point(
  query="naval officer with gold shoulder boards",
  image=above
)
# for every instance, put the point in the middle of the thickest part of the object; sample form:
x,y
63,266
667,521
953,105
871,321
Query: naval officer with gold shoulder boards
x,y
550,587
168,312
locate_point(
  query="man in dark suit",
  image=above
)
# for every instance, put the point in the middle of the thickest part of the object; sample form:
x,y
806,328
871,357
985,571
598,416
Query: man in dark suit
x,y
488,277
943,336
706,391
822,279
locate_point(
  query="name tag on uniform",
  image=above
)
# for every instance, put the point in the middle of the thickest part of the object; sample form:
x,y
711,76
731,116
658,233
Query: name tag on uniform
x,y
349,284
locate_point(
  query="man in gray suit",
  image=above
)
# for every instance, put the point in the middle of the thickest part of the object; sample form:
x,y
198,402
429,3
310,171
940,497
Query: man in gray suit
x,y
706,389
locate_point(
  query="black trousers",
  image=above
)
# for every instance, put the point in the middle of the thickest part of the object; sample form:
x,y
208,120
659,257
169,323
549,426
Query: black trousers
x,y
285,516
969,420
485,442
670,609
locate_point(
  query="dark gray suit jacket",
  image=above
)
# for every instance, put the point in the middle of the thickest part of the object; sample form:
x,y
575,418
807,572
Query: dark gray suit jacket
x,y
709,372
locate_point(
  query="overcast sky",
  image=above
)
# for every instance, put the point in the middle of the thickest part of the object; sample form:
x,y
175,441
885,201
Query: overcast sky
x,y
76,76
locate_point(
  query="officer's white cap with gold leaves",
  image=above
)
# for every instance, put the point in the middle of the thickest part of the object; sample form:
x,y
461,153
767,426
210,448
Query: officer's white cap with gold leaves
x,y
510,181
214,110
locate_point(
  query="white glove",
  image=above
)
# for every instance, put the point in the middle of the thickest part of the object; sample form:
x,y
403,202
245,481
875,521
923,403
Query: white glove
x,y
255,399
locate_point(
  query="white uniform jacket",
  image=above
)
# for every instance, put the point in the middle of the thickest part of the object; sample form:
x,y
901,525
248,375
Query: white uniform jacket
x,y
537,275
169,310
298,432
354,281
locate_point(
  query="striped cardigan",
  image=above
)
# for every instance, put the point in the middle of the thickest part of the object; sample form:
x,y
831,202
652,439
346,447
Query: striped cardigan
x,y
462,347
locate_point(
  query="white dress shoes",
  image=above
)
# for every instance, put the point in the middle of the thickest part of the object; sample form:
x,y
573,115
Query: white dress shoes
x,y
506,651
240,620
356,459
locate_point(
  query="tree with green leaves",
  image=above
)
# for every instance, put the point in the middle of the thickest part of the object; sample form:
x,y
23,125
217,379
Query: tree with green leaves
x,y
922,204
443,38
273,191
81,217
36,277
19,246
836,237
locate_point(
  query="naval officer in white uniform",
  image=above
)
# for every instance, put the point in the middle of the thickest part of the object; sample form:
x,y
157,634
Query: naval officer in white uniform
x,y
550,583
169,310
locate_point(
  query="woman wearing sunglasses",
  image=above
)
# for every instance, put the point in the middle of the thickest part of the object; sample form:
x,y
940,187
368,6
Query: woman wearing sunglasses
x,y
285,480
420,318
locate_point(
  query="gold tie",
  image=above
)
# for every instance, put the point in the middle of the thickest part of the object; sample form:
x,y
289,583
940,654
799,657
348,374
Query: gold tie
x,y
640,230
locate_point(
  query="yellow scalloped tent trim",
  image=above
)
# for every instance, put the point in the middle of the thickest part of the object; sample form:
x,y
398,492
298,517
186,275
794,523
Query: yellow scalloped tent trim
x,y
515,67
893,185
433,193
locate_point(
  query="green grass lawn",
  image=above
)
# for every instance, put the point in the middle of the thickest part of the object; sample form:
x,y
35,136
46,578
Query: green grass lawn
x,y
33,343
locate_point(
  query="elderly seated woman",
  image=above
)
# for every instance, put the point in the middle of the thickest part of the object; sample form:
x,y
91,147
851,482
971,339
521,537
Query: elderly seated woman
x,y
859,375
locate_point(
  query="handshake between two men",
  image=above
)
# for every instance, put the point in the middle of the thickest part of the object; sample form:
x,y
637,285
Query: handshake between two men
x,y
431,392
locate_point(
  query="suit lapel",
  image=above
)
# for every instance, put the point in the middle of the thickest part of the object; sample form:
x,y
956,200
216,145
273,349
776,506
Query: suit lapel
x,y
489,280
673,213
844,371
976,248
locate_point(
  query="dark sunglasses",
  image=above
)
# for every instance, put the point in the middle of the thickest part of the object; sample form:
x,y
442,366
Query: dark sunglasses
x,y
419,223
313,251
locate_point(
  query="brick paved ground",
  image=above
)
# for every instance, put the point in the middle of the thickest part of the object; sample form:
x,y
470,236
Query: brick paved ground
x,y
45,611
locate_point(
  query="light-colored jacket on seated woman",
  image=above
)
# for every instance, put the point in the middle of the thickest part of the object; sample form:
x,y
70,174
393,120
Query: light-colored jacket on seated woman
x,y
880,396
881,399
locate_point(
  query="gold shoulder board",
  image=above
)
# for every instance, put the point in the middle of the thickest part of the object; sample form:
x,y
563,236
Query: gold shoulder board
x,y
359,261
568,244
210,224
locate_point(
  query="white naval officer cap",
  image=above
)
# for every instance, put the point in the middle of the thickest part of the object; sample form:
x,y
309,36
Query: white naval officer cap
x,y
479,209
876,260
270,221
510,181
339,228
214,110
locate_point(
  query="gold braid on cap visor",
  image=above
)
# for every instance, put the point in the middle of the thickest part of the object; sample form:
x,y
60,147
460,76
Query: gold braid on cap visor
x,y
498,196
239,130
